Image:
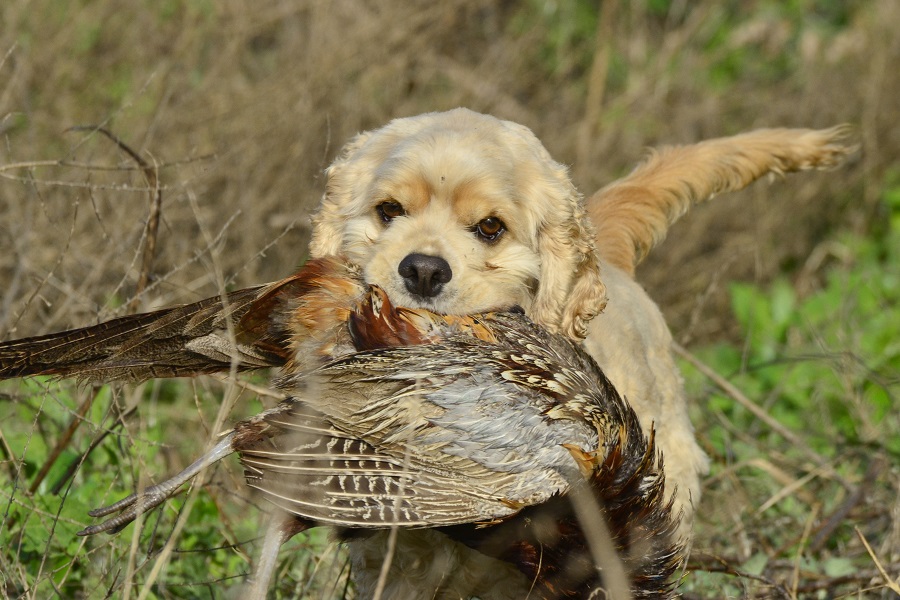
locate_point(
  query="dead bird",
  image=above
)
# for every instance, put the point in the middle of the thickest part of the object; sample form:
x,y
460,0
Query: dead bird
x,y
485,429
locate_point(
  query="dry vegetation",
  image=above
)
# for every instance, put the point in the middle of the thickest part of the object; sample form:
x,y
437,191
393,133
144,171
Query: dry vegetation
x,y
238,107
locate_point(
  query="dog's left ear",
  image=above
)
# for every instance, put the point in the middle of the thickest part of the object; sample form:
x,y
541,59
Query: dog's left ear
x,y
570,292
340,177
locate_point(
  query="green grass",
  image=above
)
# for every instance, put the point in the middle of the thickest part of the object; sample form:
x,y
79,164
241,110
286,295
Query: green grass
x,y
826,367
41,554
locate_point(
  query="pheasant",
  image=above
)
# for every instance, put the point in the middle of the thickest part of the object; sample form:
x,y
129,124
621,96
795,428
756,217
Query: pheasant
x,y
488,429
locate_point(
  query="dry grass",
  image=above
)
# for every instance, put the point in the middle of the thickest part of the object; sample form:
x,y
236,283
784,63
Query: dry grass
x,y
239,108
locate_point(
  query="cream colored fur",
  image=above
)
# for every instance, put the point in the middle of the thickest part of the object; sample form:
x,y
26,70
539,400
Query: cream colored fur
x,y
451,170
633,214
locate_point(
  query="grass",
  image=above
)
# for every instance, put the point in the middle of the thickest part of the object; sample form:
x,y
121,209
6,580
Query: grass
x,y
787,292
43,557
808,488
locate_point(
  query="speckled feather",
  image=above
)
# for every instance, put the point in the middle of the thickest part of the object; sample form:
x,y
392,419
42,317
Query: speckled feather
x,y
481,429
478,426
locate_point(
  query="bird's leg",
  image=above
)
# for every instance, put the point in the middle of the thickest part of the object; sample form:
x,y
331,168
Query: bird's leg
x,y
137,504
282,527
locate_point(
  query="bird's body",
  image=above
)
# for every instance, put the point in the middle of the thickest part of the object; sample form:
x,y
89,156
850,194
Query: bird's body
x,y
483,437
483,428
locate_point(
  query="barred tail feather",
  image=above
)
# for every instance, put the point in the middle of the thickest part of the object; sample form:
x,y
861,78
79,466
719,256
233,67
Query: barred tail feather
x,y
173,342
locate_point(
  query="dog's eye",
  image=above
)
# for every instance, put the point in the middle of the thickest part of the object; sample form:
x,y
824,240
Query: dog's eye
x,y
490,229
389,210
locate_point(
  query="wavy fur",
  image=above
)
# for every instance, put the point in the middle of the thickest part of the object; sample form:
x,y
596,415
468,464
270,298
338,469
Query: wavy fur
x,y
633,214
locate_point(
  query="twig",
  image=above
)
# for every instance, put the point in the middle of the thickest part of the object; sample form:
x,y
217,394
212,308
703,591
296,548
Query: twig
x,y
593,104
47,277
758,412
65,439
85,406
794,487
858,494
150,175
599,538
79,460
151,231
795,577
709,563
7,452
259,390
888,580
716,564
228,402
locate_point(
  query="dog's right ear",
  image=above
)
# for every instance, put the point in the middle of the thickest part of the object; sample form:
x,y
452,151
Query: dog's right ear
x,y
329,220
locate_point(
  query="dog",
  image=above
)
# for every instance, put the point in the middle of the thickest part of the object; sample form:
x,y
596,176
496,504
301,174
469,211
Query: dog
x,y
459,213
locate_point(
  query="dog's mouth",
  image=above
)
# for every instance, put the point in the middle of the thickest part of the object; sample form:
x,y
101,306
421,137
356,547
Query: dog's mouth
x,y
441,303
447,302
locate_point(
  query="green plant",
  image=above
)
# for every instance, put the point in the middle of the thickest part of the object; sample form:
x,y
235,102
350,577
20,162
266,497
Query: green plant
x,y
825,369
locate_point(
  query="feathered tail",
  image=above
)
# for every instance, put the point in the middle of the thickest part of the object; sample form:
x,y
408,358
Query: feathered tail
x,y
257,327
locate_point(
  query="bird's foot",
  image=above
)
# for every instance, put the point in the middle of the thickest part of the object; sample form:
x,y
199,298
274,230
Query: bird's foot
x,y
135,505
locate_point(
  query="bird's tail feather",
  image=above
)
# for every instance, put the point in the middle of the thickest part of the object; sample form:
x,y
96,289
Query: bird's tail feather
x,y
252,328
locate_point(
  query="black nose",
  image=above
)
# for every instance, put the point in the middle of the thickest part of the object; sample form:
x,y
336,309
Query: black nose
x,y
424,275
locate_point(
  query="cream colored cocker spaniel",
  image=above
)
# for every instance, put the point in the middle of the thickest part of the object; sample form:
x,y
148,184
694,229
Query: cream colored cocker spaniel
x,y
460,212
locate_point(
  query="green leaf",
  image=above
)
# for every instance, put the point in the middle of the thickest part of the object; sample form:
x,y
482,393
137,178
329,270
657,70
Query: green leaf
x,y
756,563
838,566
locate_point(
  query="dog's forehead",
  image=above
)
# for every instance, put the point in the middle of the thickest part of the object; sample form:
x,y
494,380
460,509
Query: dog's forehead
x,y
473,165
455,179
454,164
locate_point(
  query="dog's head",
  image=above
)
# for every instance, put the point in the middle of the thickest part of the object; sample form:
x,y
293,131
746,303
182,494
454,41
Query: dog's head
x,y
460,212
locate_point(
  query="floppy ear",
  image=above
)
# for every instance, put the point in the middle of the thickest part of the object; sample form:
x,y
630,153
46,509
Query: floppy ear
x,y
329,220
570,292
587,293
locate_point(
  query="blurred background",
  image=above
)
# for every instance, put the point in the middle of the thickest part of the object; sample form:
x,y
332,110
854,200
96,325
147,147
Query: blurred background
x,y
787,289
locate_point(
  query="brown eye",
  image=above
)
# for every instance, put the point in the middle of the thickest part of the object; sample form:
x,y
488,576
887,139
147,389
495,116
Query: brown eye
x,y
389,210
490,229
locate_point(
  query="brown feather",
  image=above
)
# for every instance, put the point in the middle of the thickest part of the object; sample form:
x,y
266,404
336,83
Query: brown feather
x,y
273,324
164,343
480,426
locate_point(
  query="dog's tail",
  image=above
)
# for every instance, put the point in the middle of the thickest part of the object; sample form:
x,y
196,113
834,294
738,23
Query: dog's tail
x,y
633,214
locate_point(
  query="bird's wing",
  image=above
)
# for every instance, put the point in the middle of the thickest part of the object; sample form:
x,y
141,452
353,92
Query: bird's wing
x,y
429,435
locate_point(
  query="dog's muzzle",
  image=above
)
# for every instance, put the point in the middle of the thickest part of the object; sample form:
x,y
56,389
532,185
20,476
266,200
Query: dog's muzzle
x,y
424,275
